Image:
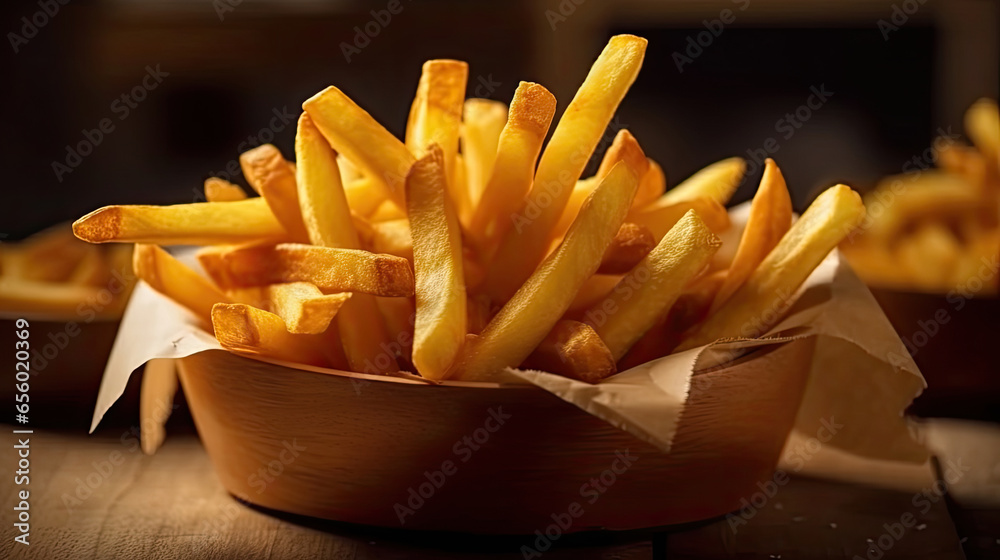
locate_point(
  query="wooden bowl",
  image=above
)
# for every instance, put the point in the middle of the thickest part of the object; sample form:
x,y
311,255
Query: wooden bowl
x,y
398,453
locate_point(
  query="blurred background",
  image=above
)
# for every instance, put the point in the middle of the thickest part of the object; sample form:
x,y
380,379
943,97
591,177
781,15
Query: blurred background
x,y
138,101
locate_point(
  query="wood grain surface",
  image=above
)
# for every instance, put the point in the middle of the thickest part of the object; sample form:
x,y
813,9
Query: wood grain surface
x,y
171,505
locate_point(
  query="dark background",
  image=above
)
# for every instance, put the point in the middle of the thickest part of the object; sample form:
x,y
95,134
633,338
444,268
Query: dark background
x,y
233,64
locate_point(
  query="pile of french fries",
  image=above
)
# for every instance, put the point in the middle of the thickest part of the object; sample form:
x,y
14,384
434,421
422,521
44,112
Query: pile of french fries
x,y
467,248
938,230
54,274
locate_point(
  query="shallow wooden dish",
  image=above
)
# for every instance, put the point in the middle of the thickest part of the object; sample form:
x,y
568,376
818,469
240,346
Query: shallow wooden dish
x,y
350,447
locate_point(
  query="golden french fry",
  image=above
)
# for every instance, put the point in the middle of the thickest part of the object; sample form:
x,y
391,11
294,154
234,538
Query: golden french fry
x,y
929,256
156,401
516,152
623,148
574,139
324,209
652,185
901,200
174,279
303,307
436,113
572,349
353,132
483,121
648,291
349,173
273,177
387,211
362,195
631,244
248,330
437,263
400,316
593,290
770,217
393,237
717,181
530,314
329,223
763,298
221,190
982,124
201,223
659,218
330,269
689,309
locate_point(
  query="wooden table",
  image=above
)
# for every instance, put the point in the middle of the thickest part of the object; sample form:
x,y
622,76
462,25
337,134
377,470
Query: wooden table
x,y
100,497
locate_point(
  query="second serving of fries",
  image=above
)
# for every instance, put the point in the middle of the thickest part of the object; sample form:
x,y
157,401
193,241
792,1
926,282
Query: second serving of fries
x,y
472,245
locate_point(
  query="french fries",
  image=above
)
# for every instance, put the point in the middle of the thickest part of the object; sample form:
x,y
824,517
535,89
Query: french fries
x,y
200,223
770,217
767,293
54,274
330,269
648,291
353,132
246,329
517,150
630,245
436,117
623,148
716,182
329,223
220,190
483,122
471,246
172,278
574,139
932,230
273,178
574,350
440,326
531,313
303,307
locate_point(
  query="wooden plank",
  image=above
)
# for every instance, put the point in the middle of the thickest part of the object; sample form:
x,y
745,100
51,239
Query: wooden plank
x,y
100,497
